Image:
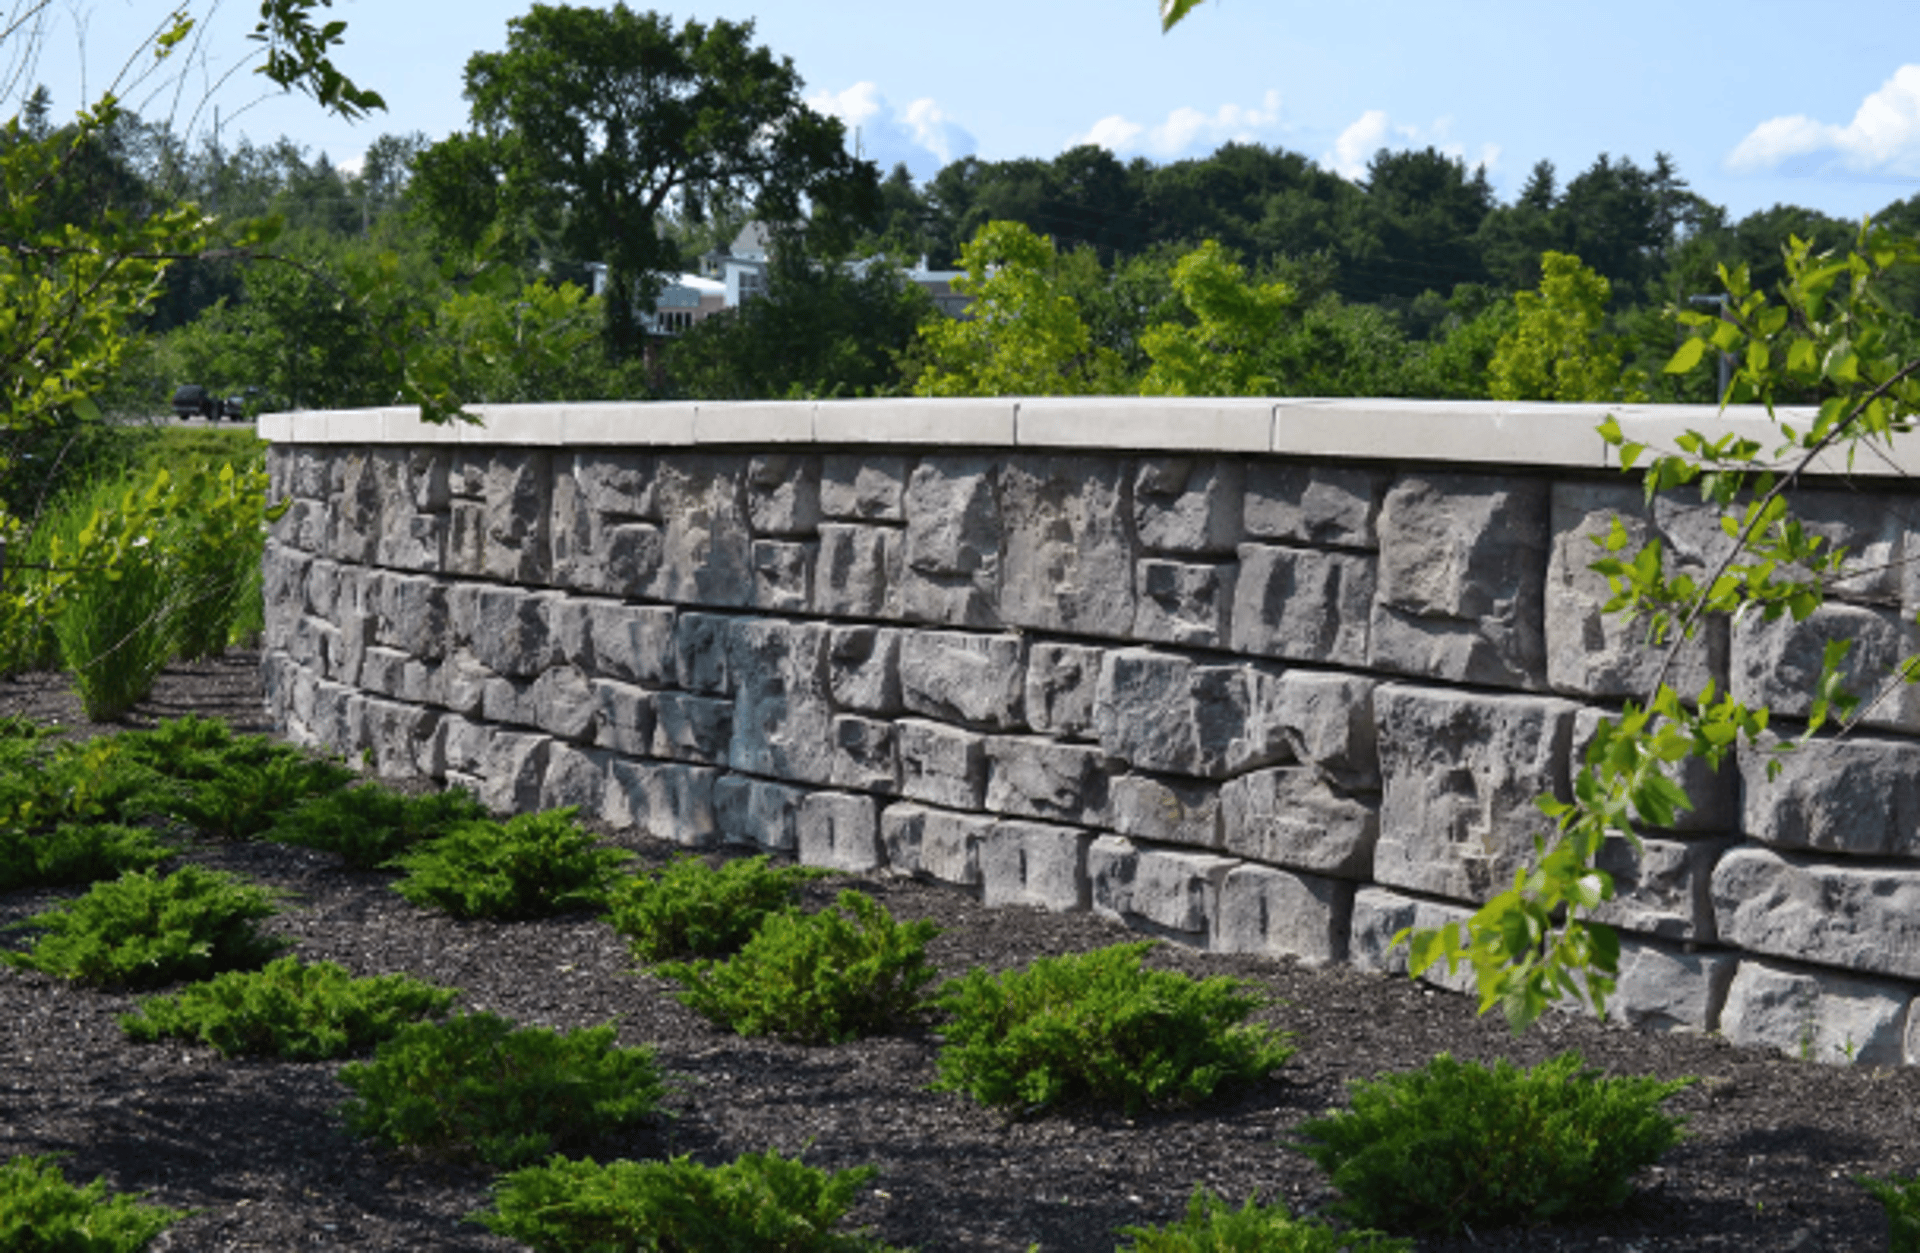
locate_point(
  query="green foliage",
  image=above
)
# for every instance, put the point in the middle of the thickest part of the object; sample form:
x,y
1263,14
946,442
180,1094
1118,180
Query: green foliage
x,y
1213,1226
196,771
1456,1145
540,343
837,975
475,1086
1232,318
1900,1198
287,1009
74,853
139,931
1099,1026
370,825
1559,349
692,910
40,1212
760,1202
531,866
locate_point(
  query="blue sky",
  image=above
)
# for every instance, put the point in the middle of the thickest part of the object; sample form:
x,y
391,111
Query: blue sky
x,y
1759,102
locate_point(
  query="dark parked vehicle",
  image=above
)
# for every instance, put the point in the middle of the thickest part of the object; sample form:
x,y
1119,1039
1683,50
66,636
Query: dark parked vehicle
x,y
194,401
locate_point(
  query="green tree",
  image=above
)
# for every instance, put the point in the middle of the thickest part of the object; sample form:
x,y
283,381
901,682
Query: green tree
x,y
1559,348
1232,319
597,124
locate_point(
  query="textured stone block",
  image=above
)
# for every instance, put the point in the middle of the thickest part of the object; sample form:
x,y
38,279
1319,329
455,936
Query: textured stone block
x,y
509,631
1188,505
863,668
858,571
400,737
1859,918
1860,796
1460,773
783,575
1325,721
783,710
518,503
1031,863
863,486
1175,894
577,778
513,771
951,568
624,717
354,509
940,764
669,802
1067,551
1165,811
783,493
705,549
562,701
1462,580
758,813
1817,1016
1778,663
1303,604
1277,913
700,656
1664,987
1034,777
692,728
628,558
413,541
958,677
383,670
463,682
935,844
1290,816
1184,603
1379,915
634,643
865,754
1663,890
1061,682
1313,504
1159,711
840,831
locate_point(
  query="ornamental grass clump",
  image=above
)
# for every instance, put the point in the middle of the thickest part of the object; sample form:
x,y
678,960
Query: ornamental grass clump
x,y
476,1086
288,1009
40,1212
1097,1026
1456,1145
825,978
531,866
140,931
760,1202
689,909
1212,1226
370,825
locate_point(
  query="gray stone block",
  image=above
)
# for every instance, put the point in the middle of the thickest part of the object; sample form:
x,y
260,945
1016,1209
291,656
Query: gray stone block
x,y
1061,682
1664,889
383,670
413,541
465,550
1665,987
1170,893
400,737
562,701
1303,604
1067,551
1324,720
515,544
705,550
1188,505
1184,602
634,643
1816,1016
1162,712
692,728
1313,504
840,831
509,632
1859,796
1034,777
1858,918
1460,774
577,778
951,569
1165,811
940,764
667,801
624,717
1290,816
570,618
514,771
1032,863
463,682
863,668
758,813
958,677
783,710
1777,663
1277,913
783,493
858,571
865,755
618,486
783,575
508,701
1380,915
863,486
934,844
700,656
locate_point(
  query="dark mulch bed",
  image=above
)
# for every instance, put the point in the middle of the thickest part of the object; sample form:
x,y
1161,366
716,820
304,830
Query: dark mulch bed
x,y
256,1148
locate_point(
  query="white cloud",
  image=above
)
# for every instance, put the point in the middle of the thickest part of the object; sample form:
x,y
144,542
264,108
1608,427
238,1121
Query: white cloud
x,y
921,135
1186,132
1884,136
1374,130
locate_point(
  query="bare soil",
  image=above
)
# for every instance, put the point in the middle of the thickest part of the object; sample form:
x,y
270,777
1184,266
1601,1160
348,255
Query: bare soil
x,y
256,1148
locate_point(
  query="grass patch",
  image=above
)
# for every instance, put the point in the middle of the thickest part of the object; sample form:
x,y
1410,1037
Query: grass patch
x,y
40,1212
689,909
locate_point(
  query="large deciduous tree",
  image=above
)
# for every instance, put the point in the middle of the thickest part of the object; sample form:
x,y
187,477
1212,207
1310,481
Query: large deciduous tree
x,y
596,124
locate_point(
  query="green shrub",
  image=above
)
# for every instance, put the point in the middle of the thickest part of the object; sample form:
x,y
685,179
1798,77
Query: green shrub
x,y
138,931
690,909
1213,1226
1454,1144
40,1212
370,825
760,1202
475,1086
531,866
829,977
1900,1198
288,1010
1099,1026
225,785
75,853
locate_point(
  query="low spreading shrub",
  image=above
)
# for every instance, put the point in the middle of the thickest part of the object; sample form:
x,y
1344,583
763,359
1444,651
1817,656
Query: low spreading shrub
x,y
224,785
288,1010
531,866
760,1202
76,853
139,931
1213,1226
40,1212
837,975
476,1086
1900,1198
371,825
690,909
1455,1144
1098,1026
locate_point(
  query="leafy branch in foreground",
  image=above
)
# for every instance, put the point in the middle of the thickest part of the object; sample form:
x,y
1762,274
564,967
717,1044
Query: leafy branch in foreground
x,y
1828,334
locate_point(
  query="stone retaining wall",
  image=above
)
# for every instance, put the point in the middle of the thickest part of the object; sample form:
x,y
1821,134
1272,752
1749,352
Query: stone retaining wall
x,y
1255,677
